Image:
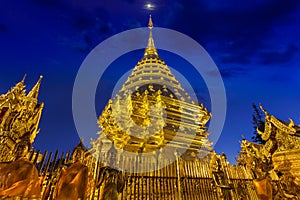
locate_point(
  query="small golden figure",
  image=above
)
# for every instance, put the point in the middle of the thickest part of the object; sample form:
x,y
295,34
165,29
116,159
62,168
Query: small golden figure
x,y
111,180
260,166
220,180
20,177
72,184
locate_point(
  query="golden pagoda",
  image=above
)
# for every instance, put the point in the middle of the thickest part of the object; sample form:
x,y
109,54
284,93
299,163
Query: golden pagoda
x,y
152,111
151,108
152,145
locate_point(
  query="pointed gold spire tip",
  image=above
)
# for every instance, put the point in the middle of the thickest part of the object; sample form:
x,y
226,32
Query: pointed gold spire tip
x,y
24,77
150,50
150,24
34,92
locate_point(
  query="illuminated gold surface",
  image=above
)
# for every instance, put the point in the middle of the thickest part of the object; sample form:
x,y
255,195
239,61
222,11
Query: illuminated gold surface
x,y
275,165
19,178
151,108
19,114
153,100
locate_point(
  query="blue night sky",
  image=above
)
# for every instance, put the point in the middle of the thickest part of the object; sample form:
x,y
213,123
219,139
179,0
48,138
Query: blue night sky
x,y
255,44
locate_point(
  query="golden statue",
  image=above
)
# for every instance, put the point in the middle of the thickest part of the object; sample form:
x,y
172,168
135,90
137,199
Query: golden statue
x,y
220,180
20,177
111,180
72,184
286,186
261,166
261,178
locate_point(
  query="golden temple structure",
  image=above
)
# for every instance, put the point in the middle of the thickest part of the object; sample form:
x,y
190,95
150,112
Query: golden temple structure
x,y
19,115
151,108
153,144
275,165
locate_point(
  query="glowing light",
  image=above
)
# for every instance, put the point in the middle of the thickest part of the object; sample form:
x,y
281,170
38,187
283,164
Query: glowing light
x,y
149,6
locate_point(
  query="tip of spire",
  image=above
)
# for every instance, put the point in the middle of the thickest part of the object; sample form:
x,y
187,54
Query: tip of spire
x,y
24,77
150,24
150,50
35,90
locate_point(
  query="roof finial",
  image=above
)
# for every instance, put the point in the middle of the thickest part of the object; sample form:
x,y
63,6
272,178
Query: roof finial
x,y
150,24
150,50
24,77
35,90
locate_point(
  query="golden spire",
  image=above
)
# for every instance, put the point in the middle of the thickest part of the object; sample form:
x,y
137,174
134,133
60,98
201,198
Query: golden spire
x,y
35,90
150,50
23,80
19,88
150,24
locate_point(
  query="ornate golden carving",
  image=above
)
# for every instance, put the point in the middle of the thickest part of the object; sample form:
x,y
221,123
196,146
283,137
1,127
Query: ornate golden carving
x,y
20,177
168,110
220,178
148,112
19,114
274,164
73,180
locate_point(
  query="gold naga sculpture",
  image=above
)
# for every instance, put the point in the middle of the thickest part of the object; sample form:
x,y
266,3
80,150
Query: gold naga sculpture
x,y
261,168
274,163
19,178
